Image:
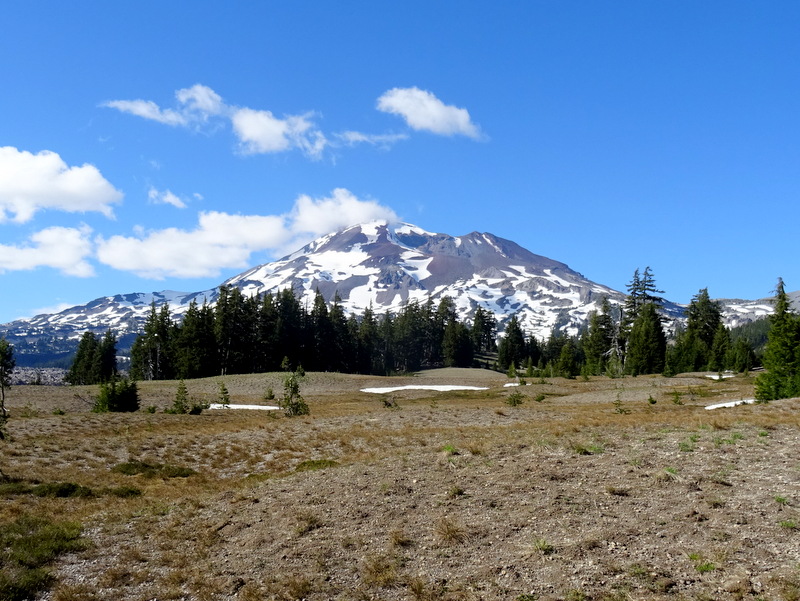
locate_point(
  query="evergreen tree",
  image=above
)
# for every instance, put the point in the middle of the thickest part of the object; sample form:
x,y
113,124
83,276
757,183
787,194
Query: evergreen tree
x,y
85,365
152,354
720,349
320,340
597,340
782,354
196,344
369,358
107,357
647,343
511,350
289,328
267,352
344,341
642,291
484,331
386,344
95,360
567,364
7,364
117,395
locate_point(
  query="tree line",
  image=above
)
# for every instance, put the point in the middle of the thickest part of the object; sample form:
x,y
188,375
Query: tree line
x,y
631,339
273,332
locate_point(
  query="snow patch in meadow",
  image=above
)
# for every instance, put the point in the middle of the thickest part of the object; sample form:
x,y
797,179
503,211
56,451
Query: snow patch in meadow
x,y
435,387
730,404
256,407
719,377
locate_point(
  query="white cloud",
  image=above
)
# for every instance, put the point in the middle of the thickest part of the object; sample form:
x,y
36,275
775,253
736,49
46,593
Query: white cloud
x,y
263,132
223,241
200,101
63,248
195,105
165,197
220,241
147,109
313,217
33,182
351,138
424,111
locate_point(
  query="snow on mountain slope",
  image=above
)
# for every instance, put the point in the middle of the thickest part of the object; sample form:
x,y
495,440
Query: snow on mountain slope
x,y
388,266
384,266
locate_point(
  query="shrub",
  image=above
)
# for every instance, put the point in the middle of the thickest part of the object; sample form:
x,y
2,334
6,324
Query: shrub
x,y
27,546
117,395
315,464
61,489
515,399
293,403
151,470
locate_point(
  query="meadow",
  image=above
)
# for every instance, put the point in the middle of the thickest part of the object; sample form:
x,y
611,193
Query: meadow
x,y
586,489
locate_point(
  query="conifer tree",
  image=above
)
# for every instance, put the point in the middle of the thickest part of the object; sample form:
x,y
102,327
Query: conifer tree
x,y
84,366
782,355
511,350
647,343
7,364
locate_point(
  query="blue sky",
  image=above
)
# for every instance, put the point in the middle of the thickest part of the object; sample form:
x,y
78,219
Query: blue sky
x,y
163,145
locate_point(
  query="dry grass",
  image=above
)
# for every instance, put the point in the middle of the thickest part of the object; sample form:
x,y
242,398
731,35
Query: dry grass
x,y
446,495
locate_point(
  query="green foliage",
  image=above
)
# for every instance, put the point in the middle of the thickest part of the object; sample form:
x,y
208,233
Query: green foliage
x,y
27,546
183,404
315,464
224,398
292,402
95,360
511,350
647,344
7,364
782,354
515,399
152,470
117,395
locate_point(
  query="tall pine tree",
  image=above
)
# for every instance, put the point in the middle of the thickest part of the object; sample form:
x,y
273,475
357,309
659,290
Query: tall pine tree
x,y
782,355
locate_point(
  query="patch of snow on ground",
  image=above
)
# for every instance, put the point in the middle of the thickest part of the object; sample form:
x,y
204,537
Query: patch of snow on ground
x,y
257,407
719,377
435,387
730,404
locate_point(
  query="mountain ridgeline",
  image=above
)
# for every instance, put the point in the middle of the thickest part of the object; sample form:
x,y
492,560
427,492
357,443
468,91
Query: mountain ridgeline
x,y
380,267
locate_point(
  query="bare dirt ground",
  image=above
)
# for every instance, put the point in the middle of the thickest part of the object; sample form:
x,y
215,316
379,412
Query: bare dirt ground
x,y
604,489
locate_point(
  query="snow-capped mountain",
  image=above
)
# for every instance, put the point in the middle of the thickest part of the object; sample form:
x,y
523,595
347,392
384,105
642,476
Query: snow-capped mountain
x,y
384,266
387,266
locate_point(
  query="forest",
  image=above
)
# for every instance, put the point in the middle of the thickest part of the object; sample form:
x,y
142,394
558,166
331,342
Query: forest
x,y
276,332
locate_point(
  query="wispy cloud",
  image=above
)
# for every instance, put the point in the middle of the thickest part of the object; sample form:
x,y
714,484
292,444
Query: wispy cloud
x,y
352,138
224,241
423,111
165,197
257,131
261,131
34,182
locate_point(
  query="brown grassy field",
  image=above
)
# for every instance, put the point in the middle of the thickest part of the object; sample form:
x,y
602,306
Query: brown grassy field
x,y
600,489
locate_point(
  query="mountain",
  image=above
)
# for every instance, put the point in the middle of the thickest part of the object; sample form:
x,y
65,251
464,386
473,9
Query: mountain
x,y
381,265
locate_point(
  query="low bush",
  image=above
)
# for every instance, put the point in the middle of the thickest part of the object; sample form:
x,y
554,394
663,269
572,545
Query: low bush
x,y
27,546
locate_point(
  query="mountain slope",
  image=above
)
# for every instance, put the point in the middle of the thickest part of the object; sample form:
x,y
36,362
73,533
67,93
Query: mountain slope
x,y
380,265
